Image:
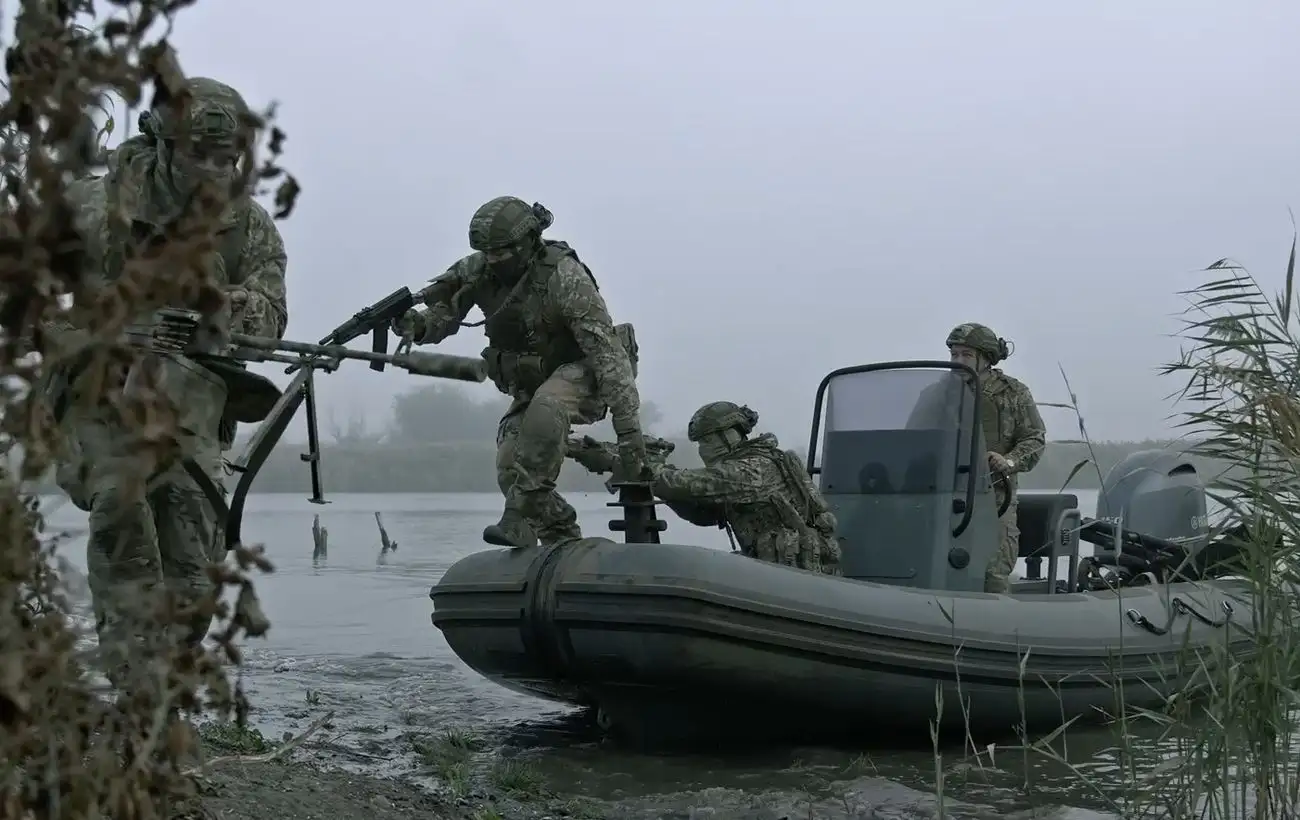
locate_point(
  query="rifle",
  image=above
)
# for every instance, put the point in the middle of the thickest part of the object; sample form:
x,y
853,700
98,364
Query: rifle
x,y
374,320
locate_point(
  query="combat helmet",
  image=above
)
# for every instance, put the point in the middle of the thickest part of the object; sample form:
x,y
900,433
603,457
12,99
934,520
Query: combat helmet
x,y
215,112
981,339
506,222
719,416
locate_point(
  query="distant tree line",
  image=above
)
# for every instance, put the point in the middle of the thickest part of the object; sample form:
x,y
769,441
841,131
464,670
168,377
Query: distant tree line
x,y
470,467
442,439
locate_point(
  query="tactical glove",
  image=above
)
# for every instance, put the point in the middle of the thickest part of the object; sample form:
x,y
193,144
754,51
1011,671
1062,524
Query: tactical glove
x,y
631,454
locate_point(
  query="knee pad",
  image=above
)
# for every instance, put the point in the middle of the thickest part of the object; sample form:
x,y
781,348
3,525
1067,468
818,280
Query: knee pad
x,y
541,435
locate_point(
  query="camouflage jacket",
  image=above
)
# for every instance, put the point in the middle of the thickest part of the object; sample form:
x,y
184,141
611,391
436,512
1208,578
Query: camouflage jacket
x,y
1011,421
251,250
1012,426
249,253
553,316
763,496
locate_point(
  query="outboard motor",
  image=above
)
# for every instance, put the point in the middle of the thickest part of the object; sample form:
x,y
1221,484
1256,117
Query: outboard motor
x,y
1158,493
904,470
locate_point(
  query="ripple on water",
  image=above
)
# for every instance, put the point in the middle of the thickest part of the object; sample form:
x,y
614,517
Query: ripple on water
x,y
353,636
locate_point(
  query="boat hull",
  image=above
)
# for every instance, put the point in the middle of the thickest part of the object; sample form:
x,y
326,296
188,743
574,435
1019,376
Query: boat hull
x,y
671,636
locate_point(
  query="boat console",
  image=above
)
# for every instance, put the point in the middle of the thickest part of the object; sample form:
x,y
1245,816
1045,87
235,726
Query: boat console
x,y
903,466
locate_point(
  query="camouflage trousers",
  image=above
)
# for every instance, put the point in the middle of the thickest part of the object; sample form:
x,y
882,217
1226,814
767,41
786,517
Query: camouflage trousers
x,y
151,529
996,577
532,441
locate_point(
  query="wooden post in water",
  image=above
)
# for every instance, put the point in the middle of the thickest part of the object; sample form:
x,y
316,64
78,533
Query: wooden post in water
x,y
388,545
320,537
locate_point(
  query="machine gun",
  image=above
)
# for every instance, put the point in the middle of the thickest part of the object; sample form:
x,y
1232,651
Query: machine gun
x,y
328,357
306,359
254,399
374,320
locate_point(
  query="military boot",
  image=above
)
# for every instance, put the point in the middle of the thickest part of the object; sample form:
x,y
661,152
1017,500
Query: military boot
x,y
511,531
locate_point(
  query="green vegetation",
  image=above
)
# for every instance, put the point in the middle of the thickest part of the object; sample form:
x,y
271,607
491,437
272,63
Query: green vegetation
x,y
66,750
449,756
229,737
1226,745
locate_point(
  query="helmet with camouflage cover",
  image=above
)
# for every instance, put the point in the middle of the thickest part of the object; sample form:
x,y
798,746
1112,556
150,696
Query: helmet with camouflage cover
x,y
981,339
205,141
718,417
216,112
506,222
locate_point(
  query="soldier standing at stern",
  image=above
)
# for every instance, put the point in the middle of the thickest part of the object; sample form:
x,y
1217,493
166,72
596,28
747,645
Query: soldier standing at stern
x,y
1013,432
552,348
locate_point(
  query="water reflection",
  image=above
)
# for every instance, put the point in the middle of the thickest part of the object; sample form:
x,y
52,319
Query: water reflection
x,y
351,632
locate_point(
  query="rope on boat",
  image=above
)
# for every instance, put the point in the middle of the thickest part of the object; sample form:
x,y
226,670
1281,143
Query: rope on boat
x,y
1141,620
1183,606
1179,607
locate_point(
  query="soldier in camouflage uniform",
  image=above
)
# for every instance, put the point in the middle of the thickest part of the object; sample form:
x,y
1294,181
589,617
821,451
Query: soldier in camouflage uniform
x,y
552,348
149,522
1013,432
758,492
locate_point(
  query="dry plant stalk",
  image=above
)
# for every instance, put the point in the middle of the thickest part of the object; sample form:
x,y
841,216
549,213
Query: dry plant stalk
x,y
1236,747
68,749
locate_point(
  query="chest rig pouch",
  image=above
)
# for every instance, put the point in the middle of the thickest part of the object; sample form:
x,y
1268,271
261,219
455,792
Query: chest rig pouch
x,y
995,421
123,239
527,346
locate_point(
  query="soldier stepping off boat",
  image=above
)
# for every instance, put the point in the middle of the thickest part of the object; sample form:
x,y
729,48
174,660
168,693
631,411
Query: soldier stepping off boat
x,y
552,348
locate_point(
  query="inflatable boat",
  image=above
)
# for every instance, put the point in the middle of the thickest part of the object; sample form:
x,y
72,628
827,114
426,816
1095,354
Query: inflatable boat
x,y
677,639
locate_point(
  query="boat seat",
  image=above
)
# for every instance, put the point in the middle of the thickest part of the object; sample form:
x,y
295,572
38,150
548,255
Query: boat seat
x,y
920,476
1040,518
873,479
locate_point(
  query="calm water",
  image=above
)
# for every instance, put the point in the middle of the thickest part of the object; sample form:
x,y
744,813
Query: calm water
x,y
353,634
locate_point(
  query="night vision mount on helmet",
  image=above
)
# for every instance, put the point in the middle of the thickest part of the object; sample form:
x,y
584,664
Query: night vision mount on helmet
x,y
505,222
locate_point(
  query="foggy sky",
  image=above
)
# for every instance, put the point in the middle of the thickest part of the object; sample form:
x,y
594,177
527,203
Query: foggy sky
x,y
771,189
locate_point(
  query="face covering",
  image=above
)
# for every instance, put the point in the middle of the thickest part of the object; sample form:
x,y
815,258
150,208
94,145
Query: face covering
x,y
714,447
508,265
205,161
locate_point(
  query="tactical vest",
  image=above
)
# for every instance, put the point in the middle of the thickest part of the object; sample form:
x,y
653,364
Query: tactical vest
x,y
230,243
118,237
807,511
994,414
525,344
798,509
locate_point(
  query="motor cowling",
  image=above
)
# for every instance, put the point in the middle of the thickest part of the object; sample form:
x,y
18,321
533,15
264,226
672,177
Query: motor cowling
x,y
1158,493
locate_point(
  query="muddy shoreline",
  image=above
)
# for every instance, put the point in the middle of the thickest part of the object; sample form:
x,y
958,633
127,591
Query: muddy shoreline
x,y
457,776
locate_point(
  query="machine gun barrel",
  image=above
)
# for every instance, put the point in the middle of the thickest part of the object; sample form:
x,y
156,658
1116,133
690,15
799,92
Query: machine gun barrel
x,y
435,365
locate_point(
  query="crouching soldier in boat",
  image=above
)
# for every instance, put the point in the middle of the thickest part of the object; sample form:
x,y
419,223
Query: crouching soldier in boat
x,y
552,348
759,493
1013,432
152,520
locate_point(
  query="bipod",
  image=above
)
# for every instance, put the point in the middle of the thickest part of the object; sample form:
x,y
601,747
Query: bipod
x,y
312,456
639,524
